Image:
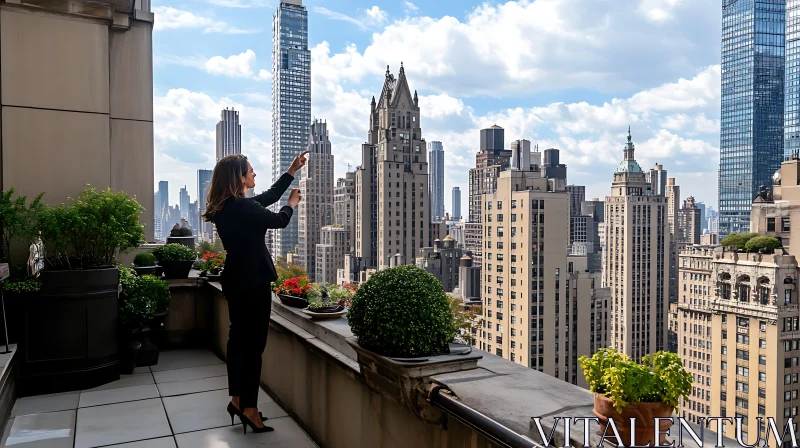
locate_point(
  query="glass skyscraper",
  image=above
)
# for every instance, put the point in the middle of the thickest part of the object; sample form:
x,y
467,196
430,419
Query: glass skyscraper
x,y
436,151
751,140
291,103
791,141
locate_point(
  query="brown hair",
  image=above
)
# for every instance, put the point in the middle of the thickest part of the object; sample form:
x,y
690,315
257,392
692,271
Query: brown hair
x,y
226,183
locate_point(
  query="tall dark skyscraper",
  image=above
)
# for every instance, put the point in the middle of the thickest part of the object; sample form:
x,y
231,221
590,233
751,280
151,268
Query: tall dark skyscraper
x,y
456,204
791,140
751,140
184,204
437,180
291,103
161,208
229,134
203,182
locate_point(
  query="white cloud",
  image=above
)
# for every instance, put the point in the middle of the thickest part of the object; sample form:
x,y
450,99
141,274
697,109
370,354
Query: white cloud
x,y
243,65
376,16
237,66
510,51
658,10
502,50
168,18
370,19
411,8
185,136
693,124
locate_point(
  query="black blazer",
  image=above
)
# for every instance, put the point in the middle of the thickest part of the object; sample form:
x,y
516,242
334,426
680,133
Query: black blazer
x,y
242,225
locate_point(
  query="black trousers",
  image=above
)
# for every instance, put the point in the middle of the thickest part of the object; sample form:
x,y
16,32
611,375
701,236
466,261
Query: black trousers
x,y
249,312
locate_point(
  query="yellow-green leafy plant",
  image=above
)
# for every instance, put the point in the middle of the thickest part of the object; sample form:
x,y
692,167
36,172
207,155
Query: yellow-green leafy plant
x,y
659,378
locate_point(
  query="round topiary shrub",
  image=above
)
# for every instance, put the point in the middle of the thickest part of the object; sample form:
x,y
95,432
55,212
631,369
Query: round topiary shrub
x,y
738,240
768,243
402,312
144,259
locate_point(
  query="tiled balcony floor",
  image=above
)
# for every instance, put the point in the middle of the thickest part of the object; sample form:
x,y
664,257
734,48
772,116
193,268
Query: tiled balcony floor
x,y
179,403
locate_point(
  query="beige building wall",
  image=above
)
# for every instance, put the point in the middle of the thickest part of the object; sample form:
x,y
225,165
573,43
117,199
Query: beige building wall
x,y
316,186
694,328
637,261
330,253
754,318
586,315
345,206
778,213
739,319
392,200
76,100
524,272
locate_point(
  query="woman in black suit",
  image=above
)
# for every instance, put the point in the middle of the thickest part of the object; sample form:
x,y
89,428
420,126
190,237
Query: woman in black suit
x,y
242,224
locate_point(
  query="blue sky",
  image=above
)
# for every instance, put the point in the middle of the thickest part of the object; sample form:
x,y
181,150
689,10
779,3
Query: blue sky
x,y
567,74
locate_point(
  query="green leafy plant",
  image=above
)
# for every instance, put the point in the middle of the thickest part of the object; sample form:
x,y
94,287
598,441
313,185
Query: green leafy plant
x,y
93,230
18,220
321,295
141,298
22,285
738,240
341,295
174,252
204,247
402,312
767,243
144,259
287,270
464,319
659,378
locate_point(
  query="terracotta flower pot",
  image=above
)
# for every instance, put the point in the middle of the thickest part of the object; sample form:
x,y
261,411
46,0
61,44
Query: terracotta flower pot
x,y
645,415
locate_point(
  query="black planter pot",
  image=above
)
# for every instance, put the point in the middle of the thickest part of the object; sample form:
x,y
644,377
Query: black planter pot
x,y
292,301
158,320
328,309
137,349
157,333
147,355
177,269
15,315
145,270
69,332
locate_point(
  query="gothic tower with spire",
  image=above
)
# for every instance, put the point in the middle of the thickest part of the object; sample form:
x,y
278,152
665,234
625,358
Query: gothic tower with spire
x,y
636,265
393,219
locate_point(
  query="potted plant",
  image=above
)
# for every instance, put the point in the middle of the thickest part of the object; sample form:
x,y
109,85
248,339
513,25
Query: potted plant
x,y
404,331
212,265
327,301
293,292
398,299
79,289
145,263
142,301
624,388
176,259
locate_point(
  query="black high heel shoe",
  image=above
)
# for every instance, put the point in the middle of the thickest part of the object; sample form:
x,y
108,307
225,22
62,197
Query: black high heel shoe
x,y
233,411
246,422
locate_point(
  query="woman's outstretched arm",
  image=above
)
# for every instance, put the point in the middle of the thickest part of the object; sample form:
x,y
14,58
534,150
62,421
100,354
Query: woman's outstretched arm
x,y
275,192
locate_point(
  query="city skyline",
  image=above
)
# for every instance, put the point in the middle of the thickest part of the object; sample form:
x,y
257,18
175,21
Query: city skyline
x,y
674,111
